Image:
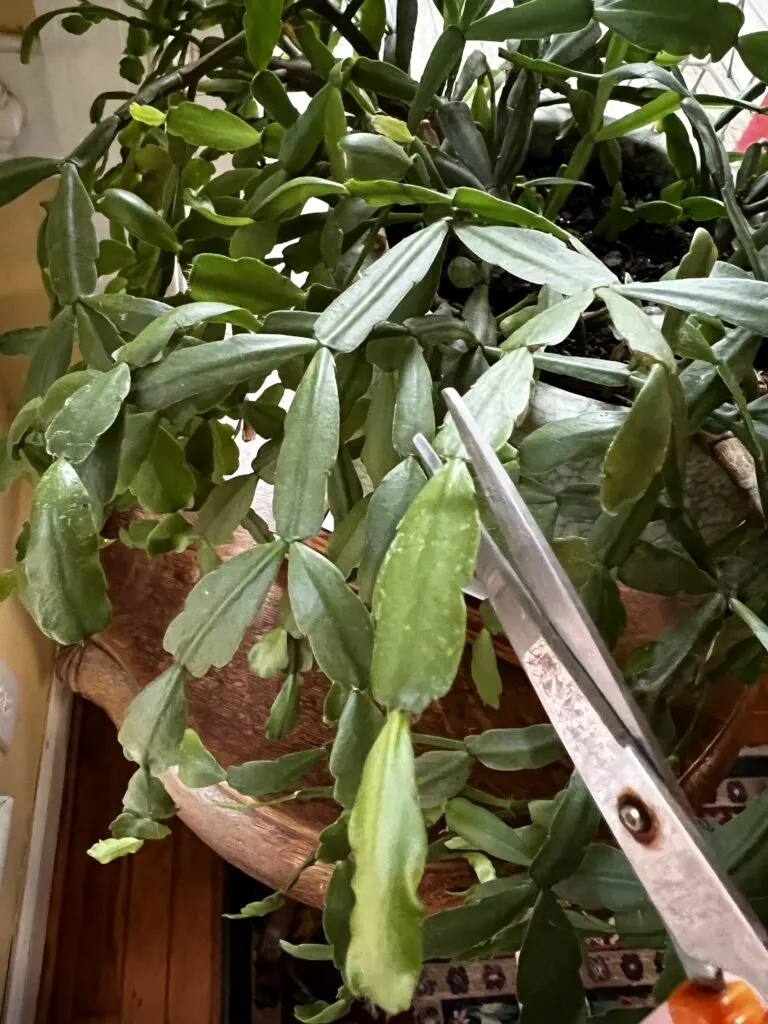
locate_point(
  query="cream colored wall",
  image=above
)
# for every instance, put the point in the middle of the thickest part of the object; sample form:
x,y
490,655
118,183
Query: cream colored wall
x,y
23,650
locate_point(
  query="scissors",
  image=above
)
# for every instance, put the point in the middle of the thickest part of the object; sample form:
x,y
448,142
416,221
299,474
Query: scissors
x,y
605,734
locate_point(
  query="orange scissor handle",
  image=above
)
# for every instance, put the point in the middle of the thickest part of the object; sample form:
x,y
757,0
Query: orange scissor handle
x,y
736,1004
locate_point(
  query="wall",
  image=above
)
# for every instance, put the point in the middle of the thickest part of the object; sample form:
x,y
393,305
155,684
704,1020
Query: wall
x,y
24,654
55,90
15,14
56,87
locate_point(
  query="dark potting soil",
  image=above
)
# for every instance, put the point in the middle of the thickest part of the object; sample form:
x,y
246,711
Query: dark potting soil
x,y
645,251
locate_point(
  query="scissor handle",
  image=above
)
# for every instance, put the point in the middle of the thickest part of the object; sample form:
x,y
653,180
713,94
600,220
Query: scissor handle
x,y
736,1003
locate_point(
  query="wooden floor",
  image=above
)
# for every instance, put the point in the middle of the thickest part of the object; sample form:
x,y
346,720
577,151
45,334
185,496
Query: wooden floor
x,y
137,941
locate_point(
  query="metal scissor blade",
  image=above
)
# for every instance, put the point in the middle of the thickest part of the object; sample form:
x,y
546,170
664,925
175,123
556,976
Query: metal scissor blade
x,y
542,574
702,912
608,744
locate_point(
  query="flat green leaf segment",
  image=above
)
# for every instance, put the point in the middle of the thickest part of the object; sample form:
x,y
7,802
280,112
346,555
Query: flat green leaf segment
x,y
152,341
359,725
190,372
387,506
87,414
573,827
550,987
66,590
636,328
464,930
498,400
485,670
536,257
551,325
499,212
413,412
509,750
480,829
435,543
246,282
197,766
71,238
219,129
741,302
154,724
348,321
334,618
107,850
303,468
221,606
138,218
19,175
389,843
537,20
441,775
639,449
262,23
258,778
754,622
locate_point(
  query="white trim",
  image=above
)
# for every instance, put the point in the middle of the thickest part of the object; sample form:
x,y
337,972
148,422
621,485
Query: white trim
x,y
11,121
6,816
9,707
9,43
27,955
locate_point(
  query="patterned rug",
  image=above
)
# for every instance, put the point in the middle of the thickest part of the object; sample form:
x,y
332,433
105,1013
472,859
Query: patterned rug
x,y
484,992
262,985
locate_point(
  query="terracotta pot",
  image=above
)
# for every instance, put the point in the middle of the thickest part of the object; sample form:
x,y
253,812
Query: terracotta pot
x,y
229,708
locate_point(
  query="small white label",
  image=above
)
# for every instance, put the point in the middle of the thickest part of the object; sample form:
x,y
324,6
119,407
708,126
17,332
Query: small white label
x,y
9,705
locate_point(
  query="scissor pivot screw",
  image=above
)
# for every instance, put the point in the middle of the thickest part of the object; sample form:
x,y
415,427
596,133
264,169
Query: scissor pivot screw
x,y
636,818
